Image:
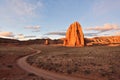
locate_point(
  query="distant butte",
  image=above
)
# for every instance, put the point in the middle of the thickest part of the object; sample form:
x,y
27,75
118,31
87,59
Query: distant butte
x,y
74,38
103,40
74,35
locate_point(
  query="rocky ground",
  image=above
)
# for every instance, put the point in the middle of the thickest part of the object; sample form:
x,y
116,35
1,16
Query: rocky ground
x,y
94,63
9,70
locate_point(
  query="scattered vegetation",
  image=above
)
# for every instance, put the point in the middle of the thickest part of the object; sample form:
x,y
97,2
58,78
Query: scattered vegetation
x,y
102,61
31,74
8,67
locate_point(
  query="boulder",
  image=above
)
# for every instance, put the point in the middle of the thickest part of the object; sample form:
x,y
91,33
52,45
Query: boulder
x,y
74,35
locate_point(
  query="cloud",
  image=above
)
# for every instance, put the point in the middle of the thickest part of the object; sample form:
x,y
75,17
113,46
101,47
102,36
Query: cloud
x,y
105,27
117,33
36,31
6,34
23,7
20,10
45,37
91,34
19,36
34,28
29,36
105,30
24,37
56,33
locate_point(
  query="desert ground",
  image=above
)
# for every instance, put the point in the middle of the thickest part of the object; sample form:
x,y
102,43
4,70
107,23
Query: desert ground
x,y
91,63
9,70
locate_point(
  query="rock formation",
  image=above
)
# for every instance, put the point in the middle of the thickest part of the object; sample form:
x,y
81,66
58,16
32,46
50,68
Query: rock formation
x,y
103,40
46,42
74,35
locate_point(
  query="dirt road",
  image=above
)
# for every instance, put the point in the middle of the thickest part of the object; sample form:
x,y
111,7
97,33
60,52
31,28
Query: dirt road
x,y
40,72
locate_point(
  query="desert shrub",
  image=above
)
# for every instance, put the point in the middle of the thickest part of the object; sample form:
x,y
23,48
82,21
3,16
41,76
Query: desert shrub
x,y
111,79
30,60
99,60
1,55
69,71
75,70
31,74
9,66
93,64
40,64
87,72
112,70
50,68
104,74
41,78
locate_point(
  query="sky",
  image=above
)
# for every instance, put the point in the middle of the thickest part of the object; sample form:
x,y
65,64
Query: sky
x,y
36,19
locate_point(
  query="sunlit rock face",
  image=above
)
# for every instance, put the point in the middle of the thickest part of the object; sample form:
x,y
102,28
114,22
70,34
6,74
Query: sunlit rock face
x,y
74,35
105,40
46,42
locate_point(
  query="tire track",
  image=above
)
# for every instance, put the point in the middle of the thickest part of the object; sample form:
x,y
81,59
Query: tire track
x,y
22,63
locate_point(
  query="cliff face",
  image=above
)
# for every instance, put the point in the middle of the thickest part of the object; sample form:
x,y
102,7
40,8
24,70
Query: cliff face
x,y
74,35
103,40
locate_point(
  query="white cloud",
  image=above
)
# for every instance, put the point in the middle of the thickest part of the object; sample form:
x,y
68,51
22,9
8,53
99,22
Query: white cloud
x,y
117,33
56,33
6,34
20,10
33,28
24,37
91,34
36,31
29,36
105,27
19,36
105,30
22,7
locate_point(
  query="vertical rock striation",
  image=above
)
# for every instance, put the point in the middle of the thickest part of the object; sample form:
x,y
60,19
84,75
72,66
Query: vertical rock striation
x,y
74,35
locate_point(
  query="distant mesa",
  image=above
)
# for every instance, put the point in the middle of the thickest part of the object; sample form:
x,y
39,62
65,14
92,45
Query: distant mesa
x,y
103,40
74,35
74,38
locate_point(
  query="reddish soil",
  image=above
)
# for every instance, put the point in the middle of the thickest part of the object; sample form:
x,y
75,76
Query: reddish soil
x,y
9,70
92,63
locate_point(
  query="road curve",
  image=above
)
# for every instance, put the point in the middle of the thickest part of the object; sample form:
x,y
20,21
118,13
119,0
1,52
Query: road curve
x,y
40,72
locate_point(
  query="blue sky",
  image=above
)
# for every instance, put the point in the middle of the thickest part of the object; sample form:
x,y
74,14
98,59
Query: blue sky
x,y
30,19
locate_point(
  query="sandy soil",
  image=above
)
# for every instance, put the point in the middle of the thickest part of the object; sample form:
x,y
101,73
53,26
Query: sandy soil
x,y
95,63
92,63
40,72
9,70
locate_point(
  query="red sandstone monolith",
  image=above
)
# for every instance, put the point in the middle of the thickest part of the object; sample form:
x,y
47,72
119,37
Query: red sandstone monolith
x,y
74,35
46,42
